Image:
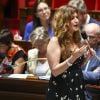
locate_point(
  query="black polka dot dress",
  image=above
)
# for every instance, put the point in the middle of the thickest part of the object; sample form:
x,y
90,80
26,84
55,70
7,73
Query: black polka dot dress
x,y
69,85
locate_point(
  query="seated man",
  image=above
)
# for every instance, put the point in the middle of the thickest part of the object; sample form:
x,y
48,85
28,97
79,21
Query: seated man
x,y
91,70
85,18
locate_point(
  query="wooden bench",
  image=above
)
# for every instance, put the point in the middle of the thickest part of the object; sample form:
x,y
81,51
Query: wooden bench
x,y
94,90
23,89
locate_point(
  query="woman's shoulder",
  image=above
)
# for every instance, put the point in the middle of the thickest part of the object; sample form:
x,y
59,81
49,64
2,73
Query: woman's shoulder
x,y
30,23
14,49
53,44
54,39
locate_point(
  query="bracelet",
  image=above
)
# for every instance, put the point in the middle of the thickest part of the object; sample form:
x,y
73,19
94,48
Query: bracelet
x,y
69,64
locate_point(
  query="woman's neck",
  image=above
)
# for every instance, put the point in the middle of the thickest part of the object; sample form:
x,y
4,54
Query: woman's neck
x,y
42,56
44,23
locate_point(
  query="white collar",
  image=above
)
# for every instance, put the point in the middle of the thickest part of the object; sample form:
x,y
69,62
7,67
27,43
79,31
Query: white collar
x,y
87,19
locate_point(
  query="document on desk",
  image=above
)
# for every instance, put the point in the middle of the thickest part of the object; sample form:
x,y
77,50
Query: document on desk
x,y
44,77
23,76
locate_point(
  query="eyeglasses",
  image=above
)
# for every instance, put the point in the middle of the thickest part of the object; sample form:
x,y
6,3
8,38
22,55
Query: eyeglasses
x,y
41,10
92,37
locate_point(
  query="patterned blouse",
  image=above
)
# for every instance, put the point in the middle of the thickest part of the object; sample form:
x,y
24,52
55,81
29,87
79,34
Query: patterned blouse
x,y
14,53
69,85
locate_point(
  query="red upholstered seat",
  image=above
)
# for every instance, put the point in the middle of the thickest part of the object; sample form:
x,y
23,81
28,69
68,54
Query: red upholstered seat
x,y
3,2
90,4
13,25
31,3
29,18
56,3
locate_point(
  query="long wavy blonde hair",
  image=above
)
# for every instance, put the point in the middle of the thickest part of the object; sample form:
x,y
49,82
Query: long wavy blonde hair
x,y
61,26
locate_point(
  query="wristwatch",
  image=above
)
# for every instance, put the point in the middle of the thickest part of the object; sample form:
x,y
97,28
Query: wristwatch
x,y
69,64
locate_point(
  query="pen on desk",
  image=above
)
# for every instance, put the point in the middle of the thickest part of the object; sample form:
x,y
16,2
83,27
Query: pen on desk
x,y
34,59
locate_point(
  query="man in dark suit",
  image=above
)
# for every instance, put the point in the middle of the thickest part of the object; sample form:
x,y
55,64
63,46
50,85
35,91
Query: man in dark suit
x,y
91,70
85,18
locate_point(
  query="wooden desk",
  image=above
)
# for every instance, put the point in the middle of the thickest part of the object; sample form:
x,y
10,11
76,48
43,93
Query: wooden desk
x,y
26,45
22,89
32,89
94,90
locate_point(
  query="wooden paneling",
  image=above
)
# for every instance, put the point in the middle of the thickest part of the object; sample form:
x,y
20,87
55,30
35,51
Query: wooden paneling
x,y
95,14
23,89
32,89
94,91
26,45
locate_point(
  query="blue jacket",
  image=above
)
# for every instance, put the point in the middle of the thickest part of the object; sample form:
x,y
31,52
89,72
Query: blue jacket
x,y
89,75
92,20
30,27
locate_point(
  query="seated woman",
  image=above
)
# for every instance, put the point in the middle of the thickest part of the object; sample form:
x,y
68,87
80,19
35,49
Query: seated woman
x,y
10,54
41,17
39,64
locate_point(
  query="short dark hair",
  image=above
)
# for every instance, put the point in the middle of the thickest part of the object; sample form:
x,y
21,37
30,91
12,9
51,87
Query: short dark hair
x,y
6,37
79,4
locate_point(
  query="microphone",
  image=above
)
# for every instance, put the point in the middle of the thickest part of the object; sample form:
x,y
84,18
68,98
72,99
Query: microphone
x,y
84,36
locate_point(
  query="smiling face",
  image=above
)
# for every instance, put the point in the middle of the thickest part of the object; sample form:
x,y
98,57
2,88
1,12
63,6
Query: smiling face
x,y
43,11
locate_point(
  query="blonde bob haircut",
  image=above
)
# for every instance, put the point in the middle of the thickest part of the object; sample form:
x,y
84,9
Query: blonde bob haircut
x,y
40,33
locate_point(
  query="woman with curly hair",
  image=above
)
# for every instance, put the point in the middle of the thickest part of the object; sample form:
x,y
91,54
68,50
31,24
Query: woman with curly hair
x,y
65,53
